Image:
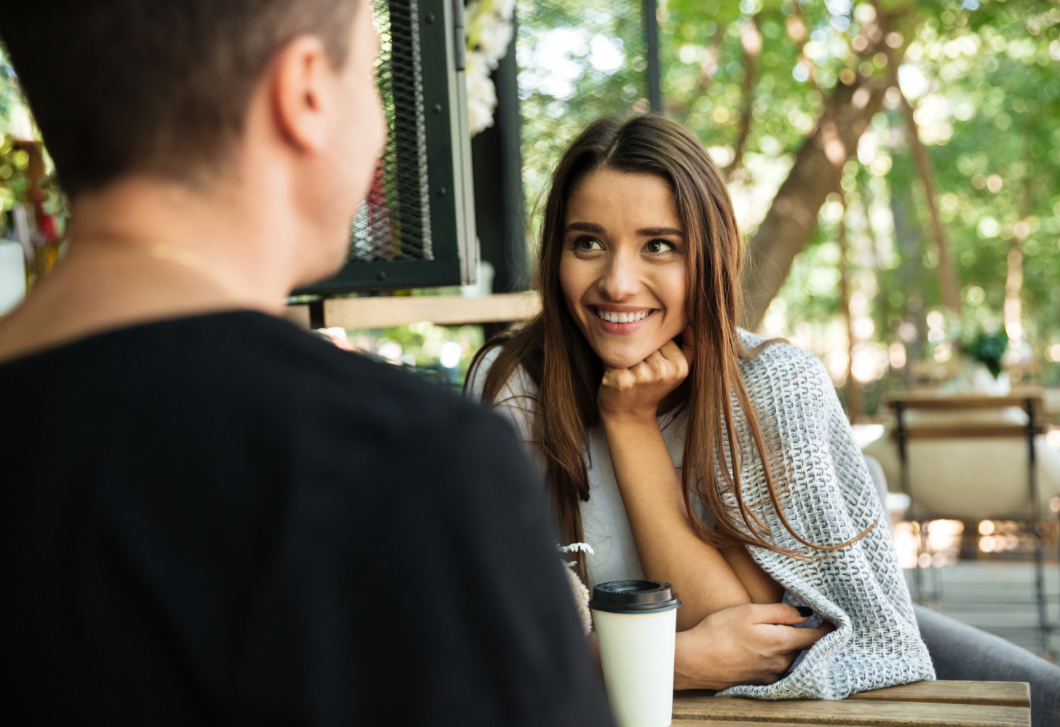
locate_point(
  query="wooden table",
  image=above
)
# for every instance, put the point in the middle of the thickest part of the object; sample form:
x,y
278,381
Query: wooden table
x,y
925,704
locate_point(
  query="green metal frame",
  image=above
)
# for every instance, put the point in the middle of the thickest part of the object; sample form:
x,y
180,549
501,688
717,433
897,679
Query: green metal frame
x,y
651,36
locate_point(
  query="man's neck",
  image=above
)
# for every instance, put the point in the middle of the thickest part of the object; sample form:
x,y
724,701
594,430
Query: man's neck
x,y
144,250
241,247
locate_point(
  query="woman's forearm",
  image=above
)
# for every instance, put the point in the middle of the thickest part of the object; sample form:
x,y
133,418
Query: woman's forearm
x,y
667,544
760,586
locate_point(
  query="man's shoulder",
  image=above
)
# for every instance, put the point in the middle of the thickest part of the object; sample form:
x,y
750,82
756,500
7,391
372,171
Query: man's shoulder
x,y
261,376
306,373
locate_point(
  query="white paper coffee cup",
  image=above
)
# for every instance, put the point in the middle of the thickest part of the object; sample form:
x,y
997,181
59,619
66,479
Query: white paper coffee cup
x,y
636,627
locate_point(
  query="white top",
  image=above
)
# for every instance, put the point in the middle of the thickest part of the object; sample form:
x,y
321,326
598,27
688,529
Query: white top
x,y
860,588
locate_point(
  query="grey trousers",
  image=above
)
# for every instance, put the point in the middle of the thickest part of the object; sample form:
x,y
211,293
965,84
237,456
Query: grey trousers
x,y
963,653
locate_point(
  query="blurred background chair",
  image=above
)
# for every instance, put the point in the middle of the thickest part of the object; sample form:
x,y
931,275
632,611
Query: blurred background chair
x,y
973,458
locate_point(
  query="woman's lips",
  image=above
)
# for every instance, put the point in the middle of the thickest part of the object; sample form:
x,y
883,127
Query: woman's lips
x,y
621,328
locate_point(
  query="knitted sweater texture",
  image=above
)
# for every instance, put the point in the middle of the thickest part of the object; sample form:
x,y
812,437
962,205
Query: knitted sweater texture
x,y
830,499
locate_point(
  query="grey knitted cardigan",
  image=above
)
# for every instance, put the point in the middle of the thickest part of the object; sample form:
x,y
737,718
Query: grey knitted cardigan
x,y
860,588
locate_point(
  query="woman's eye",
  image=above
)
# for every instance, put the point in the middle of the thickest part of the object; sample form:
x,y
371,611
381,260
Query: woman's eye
x,y
587,244
657,247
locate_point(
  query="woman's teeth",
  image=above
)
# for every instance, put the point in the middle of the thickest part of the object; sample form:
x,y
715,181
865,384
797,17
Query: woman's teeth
x,y
622,317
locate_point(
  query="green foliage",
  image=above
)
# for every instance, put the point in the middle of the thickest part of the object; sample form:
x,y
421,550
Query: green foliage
x,y
987,347
990,117
422,347
10,94
578,60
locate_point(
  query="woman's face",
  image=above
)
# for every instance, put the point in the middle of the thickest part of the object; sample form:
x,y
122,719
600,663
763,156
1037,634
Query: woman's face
x,y
623,265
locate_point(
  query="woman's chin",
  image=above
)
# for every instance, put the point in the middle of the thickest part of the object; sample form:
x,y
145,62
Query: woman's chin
x,y
622,359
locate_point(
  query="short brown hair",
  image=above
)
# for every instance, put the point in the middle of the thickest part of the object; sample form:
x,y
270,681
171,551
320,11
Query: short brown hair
x,y
152,86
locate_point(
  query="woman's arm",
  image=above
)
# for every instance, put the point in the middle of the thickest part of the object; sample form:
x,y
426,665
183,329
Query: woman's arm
x,y
858,588
668,546
760,586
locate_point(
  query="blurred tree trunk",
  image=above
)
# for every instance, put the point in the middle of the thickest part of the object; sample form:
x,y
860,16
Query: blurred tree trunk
x,y
751,40
816,174
907,242
709,60
1013,307
851,390
1013,312
949,288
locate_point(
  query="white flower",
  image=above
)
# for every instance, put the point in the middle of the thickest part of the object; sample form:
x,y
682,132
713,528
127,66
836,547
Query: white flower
x,y
504,8
581,600
493,42
481,94
581,593
577,548
489,33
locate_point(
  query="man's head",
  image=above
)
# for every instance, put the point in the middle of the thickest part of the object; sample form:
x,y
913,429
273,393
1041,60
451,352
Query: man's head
x,y
169,89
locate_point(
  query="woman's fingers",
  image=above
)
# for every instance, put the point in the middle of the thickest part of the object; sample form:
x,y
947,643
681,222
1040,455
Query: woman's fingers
x,y
777,613
661,366
642,373
802,639
766,681
784,661
620,379
682,362
675,359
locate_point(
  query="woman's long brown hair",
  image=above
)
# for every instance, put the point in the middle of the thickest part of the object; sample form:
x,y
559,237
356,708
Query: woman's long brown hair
x,y
567,372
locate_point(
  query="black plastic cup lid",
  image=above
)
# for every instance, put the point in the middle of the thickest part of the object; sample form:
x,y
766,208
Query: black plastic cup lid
x,y
634,597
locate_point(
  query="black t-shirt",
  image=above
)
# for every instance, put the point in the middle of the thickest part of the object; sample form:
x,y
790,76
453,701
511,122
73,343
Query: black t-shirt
x,y
224,520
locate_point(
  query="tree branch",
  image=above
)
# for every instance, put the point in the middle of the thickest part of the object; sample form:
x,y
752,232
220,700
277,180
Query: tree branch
x,y
817,173
751,40
948,284
850,388
710,58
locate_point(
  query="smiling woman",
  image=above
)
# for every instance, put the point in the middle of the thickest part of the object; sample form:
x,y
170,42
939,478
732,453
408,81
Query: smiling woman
x,y
642,401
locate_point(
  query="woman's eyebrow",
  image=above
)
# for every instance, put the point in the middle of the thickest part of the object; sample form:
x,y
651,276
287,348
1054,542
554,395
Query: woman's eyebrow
x,y
658,231
585,227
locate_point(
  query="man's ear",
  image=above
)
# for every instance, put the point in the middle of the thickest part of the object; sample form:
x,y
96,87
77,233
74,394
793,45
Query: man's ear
x,y
302,81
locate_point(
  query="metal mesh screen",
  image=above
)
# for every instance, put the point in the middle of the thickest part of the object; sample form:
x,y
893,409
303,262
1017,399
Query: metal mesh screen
x,y
394,221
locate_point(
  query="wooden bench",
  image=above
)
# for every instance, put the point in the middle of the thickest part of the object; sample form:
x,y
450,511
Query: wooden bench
x,y
925,704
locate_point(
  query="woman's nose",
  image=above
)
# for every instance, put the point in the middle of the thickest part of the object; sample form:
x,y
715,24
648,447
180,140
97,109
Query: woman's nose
x,y
620,279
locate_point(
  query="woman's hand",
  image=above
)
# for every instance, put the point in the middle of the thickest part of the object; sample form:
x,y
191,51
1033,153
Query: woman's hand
x,y
751,644
634,393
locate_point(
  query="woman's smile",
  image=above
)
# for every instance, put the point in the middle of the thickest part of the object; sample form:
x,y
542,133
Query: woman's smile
x,y
621,320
